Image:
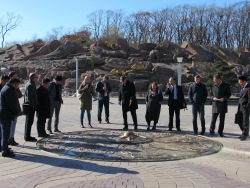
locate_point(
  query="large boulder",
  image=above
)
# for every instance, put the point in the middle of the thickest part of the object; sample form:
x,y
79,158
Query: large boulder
x,y
118,63
88,73
29,48
162,78
22,72
198,52
30,70
85,62
12,53
101,72
97,61
96,50
154,55
66,74
149,66
147,46
187,78
139,74
70,83
241,70
244,58
141,85
73,74
57,69
122,44
72,64
46,49
139,66
158,69
166,46
114,53
114,83
65,50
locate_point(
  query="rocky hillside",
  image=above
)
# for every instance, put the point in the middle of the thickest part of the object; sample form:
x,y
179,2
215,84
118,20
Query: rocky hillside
x,y
147,63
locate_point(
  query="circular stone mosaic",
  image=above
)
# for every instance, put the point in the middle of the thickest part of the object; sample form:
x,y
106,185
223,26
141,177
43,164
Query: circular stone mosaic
x,y
118,145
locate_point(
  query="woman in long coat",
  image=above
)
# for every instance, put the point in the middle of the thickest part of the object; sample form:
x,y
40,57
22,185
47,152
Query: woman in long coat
x,y
86,91
153,105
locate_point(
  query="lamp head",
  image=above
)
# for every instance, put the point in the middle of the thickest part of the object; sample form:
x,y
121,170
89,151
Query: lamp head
x,y
179,59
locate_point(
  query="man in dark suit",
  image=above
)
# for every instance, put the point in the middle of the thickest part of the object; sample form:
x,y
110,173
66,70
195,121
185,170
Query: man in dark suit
x,y
8,111
197,95
128,101
43,110
176,102
103,88
220,93
244,106
55,94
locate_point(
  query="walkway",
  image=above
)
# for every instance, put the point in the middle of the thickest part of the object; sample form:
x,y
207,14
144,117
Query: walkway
x,y
34,168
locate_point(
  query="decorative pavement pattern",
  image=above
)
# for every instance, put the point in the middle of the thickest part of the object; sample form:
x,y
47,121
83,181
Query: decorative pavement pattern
x,y
32,167
139,146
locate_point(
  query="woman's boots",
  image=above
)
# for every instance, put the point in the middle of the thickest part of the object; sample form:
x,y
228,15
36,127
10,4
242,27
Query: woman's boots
x,y
148,129
154,127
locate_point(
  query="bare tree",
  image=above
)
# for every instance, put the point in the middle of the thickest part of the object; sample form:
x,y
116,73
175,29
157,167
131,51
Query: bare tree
x,y
106,24
241,24
203,25
55,34
138,27
95,19
159,25
117,21
7,24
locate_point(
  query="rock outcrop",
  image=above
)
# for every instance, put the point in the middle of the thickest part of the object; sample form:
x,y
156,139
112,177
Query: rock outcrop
x,y
145,64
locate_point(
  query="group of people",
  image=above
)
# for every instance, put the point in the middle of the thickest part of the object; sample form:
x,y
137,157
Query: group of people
x,y
220,93
44,99
197,94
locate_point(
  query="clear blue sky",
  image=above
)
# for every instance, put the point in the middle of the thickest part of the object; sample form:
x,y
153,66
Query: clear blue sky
x,y
40,16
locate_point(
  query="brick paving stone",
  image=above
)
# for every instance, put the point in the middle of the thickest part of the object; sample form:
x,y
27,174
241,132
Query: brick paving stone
x,y
203,186
120,186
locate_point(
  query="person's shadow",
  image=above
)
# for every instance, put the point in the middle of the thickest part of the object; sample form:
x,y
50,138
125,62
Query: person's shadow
x,y
71,163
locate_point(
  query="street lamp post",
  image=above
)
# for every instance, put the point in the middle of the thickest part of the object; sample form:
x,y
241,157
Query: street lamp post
x,y
76,75
179,67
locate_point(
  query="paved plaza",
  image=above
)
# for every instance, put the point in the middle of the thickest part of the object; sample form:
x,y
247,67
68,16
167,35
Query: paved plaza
x,y
35,168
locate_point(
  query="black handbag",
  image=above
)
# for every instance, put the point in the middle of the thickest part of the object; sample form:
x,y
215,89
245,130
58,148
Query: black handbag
x,y
25,107
238,118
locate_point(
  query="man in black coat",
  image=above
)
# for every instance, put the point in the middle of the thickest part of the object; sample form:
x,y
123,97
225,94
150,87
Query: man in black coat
x,y
128,101
176,101
43,110
220,93
197,95
30,97
244,106
103,88
4,79
8,111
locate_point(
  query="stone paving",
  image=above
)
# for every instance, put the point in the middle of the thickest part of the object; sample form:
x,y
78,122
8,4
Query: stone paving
x,y
35,168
